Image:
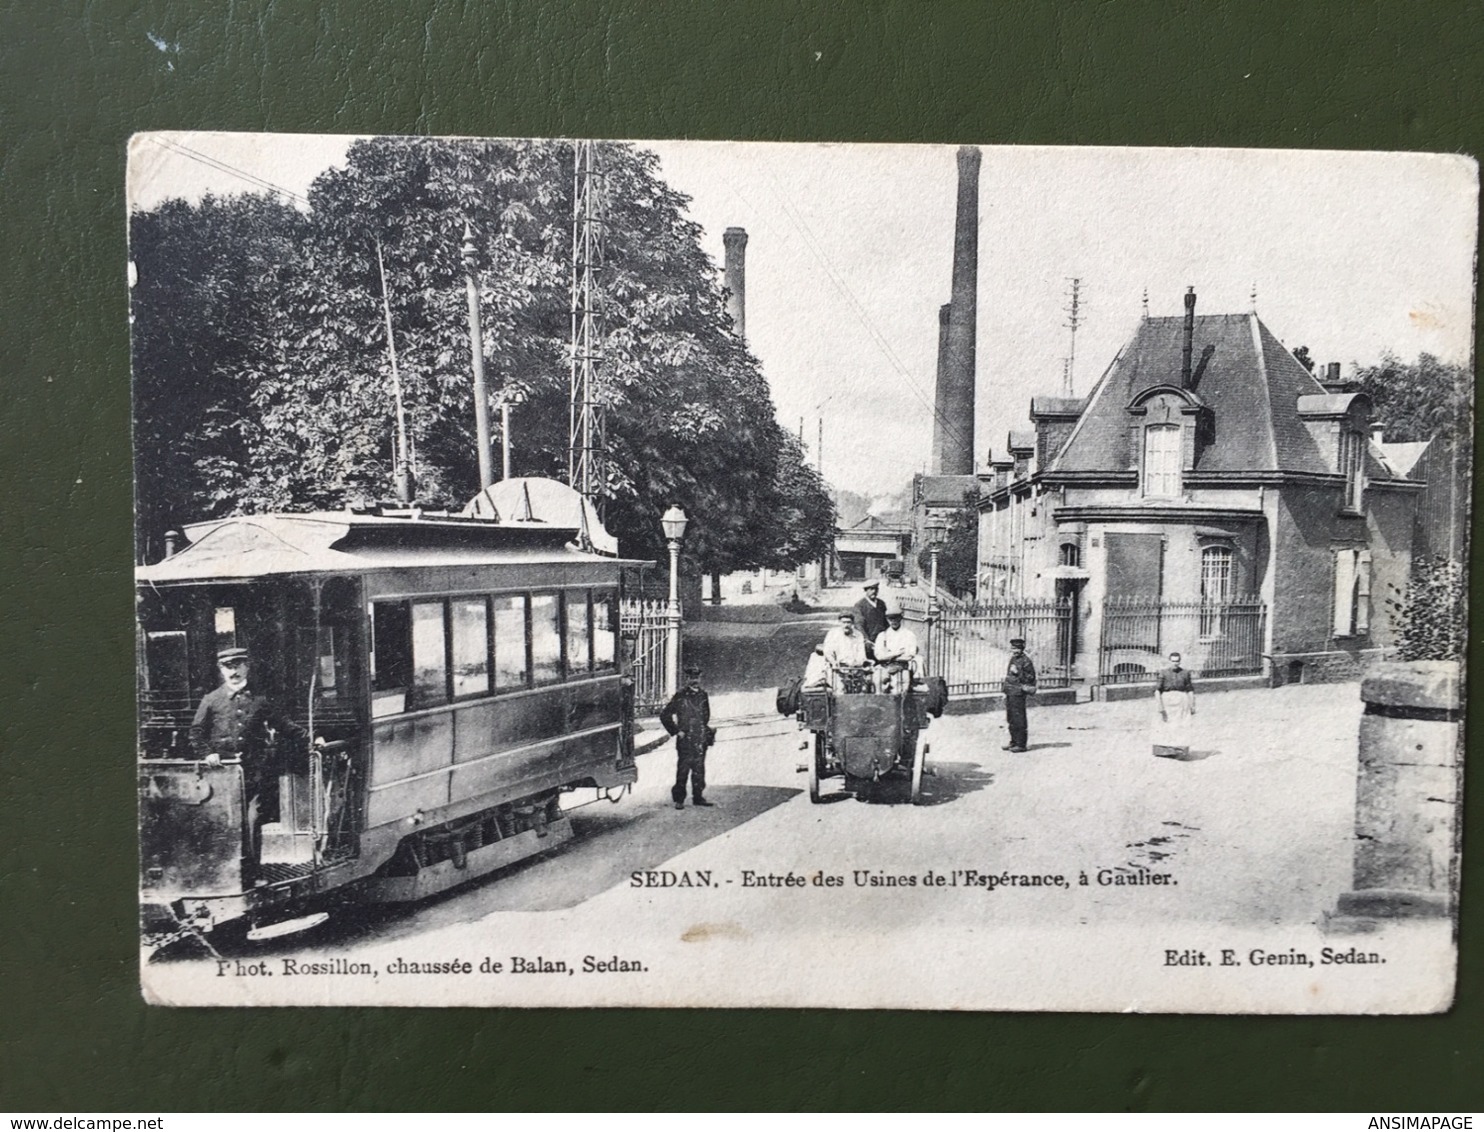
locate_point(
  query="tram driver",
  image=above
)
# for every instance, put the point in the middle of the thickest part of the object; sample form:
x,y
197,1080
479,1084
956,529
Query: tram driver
x,y
237,721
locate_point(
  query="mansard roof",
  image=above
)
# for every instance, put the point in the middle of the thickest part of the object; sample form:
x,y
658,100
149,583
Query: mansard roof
x,y
1246,378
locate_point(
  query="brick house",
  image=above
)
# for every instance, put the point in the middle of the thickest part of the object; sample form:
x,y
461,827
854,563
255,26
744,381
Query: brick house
x,y
1209,496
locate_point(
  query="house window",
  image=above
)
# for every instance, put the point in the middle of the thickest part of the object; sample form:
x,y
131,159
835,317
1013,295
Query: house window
x,y
1071,554
1216,588
1352,466
1162,460
1352,593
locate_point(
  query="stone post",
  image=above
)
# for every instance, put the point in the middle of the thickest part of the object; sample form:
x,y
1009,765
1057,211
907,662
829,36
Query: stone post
x,y
1408,793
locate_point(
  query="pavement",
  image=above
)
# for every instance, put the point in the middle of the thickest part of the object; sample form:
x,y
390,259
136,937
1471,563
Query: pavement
x,y
1021,881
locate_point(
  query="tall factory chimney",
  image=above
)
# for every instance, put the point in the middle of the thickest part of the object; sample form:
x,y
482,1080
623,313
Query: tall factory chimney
x,y
735,274
956,391
939,439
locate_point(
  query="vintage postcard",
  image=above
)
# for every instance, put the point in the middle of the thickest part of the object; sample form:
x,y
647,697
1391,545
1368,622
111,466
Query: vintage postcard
x,y
589,573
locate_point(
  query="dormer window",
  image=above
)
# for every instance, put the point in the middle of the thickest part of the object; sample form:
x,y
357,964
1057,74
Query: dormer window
x,y
1166,426
1162,458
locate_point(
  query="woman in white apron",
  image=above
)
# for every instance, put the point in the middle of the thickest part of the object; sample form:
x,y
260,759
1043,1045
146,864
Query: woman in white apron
x,y
1174,704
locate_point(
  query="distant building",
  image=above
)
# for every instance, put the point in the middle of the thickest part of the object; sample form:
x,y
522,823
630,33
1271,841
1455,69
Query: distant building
x,y
866,549
1211,497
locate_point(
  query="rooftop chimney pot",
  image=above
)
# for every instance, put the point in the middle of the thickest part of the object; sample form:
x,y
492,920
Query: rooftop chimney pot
x,y
1189,338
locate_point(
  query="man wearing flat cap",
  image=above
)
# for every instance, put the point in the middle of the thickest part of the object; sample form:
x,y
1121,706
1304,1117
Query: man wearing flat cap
x,y
870,616
237,721
1019,682
688,717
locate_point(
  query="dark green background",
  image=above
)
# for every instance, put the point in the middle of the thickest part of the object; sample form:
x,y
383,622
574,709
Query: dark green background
x,y
76,78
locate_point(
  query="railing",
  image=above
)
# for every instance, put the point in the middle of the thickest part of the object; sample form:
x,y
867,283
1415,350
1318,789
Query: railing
x,y
645,627
1212,638
969,646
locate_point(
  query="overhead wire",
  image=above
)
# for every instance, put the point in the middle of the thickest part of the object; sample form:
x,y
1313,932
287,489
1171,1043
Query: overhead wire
x,y
183,150
951,427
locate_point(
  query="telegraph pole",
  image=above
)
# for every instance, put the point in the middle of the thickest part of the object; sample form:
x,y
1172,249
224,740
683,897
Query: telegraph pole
x,y
1074,312
476,351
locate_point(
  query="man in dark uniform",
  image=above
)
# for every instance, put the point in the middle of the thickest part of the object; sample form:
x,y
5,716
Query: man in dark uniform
x,y
236,721
870,616
688,717
1020,682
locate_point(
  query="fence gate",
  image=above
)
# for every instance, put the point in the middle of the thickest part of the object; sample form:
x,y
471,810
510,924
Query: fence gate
x,y
645,626
969,646
1213,638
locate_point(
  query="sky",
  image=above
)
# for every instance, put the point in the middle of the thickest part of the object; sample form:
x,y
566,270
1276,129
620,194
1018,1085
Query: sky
x,y
850,248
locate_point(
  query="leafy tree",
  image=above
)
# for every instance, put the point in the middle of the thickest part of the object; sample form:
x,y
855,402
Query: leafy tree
x,y
1301,355
958,560
205,281
1433,611
1419,400
689,416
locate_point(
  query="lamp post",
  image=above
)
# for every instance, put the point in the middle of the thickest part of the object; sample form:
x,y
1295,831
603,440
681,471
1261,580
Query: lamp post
x,y
674,523
935,531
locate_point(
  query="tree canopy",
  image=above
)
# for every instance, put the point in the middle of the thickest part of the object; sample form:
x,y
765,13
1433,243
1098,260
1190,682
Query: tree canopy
x,y
262,379
1420,400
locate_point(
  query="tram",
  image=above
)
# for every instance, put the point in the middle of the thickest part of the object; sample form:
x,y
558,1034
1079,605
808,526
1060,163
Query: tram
x,y
460,674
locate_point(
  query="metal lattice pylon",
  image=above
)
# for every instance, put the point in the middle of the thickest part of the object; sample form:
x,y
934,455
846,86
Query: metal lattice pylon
x,y
587,444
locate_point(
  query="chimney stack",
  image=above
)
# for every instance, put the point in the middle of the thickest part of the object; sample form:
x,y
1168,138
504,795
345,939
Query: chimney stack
x,y
735,241
956,392
1189,338
940,439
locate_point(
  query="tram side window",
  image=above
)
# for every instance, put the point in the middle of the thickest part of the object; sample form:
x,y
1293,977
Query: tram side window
x,y
605,632
546,637
391,657
579,645
429,655
511,670
471,647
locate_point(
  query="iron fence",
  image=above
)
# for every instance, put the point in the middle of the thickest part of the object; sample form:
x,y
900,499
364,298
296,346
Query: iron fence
x,y
645,626
969,646
1212,638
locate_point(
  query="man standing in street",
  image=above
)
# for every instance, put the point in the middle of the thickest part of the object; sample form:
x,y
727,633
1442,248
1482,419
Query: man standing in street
x,y
1020,682
688,717
870,616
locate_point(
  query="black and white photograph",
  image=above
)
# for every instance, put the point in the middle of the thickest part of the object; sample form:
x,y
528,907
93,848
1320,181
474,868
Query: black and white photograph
x,y
740,574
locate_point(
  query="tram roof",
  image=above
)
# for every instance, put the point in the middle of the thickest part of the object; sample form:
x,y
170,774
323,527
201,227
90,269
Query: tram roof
x,y
332,542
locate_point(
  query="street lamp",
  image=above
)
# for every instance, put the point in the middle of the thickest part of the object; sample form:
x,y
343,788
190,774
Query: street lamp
x,y
936,529
508,396
674,523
